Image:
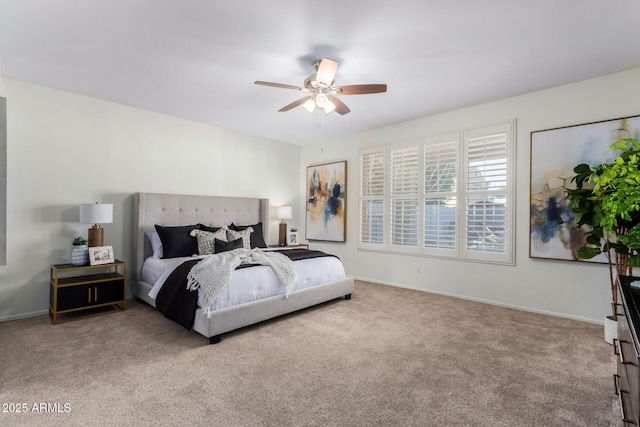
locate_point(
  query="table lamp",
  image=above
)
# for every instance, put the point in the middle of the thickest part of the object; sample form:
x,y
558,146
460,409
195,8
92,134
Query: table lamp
x,y
96,214
282,213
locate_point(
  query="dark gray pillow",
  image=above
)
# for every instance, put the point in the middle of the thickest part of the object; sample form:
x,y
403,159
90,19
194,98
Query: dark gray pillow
x,y
222,246
208,228
176,241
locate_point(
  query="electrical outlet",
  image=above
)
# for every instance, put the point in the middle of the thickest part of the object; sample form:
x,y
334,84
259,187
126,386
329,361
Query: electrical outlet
x,y
418,269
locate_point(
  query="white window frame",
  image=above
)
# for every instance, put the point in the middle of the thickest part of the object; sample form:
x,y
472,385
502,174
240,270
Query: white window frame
x,y
460,251
485,256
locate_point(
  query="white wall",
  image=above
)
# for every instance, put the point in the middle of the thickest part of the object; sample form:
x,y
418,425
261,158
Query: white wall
x,y
65,149
569,289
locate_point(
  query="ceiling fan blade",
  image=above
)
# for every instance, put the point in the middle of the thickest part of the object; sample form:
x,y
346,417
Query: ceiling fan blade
x,y
341,107
280,85
361,89
294,104
326,72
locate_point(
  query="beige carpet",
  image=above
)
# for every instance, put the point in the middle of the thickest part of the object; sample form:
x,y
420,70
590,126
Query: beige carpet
x,y
389,356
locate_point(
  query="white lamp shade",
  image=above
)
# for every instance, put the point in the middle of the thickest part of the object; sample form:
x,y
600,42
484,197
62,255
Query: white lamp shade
x,y
96,213
284,212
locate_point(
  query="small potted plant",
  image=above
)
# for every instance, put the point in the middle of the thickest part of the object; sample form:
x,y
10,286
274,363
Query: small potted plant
x,y
606,199
80,251
79,241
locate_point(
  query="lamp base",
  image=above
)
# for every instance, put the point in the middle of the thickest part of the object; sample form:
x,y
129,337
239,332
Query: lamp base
x,y
282,239
96,235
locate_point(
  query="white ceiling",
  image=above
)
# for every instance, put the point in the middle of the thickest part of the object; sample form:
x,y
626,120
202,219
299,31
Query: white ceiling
x,y
198,59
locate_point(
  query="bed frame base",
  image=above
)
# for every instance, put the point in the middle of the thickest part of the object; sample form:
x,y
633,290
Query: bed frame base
x,y
250,313
216,338
236,317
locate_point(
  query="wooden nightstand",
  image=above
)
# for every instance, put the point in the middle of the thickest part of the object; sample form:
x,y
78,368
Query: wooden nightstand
x,y
100,286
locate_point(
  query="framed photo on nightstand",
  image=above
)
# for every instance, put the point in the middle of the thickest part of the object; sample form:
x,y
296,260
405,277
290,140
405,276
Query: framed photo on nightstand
x,y
101,255
292,238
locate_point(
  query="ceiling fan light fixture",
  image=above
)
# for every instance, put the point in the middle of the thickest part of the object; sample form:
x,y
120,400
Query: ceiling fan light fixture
x,y
321,100
329,107
309,105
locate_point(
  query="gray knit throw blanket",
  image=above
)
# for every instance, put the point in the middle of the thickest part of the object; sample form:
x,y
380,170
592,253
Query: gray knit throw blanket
x,y
213,273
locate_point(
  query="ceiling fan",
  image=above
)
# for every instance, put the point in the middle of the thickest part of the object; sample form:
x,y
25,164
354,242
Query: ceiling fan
x,y
323,91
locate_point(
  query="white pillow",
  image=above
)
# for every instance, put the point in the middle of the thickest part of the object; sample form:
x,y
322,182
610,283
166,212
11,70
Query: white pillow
x,y
207,239
156,243
245,234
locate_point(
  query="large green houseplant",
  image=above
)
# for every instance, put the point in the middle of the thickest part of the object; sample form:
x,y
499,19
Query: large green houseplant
x,y
607,199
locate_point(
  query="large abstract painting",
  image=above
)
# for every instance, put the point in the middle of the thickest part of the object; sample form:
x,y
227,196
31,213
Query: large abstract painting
x,y
326,202
554,154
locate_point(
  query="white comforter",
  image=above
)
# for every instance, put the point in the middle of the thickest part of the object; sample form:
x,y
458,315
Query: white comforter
x,y
212,275
249,284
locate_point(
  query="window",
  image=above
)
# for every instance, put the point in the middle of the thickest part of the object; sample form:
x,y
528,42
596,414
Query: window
x,y
403,196
440,195
448,196
486,154
372,198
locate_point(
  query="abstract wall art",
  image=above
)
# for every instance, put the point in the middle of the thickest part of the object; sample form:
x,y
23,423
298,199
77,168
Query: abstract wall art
x,y
326,202
554,154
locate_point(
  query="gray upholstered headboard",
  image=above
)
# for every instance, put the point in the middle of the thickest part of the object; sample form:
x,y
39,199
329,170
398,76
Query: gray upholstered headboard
x,y
150,209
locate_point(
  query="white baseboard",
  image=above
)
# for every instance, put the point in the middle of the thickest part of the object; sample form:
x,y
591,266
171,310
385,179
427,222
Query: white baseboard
x,y
499,304
23,315
37,313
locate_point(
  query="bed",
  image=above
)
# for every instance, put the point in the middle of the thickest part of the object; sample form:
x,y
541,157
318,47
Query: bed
x,y
181,210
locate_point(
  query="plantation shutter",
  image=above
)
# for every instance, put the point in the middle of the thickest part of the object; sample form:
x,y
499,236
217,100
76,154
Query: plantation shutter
x,y
448,196
404,185
440,166
372,197
487,190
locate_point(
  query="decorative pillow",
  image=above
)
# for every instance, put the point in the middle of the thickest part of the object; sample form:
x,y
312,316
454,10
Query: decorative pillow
x,y
257,237
206,240
176,241
209,228
245,235
156,243
222,246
